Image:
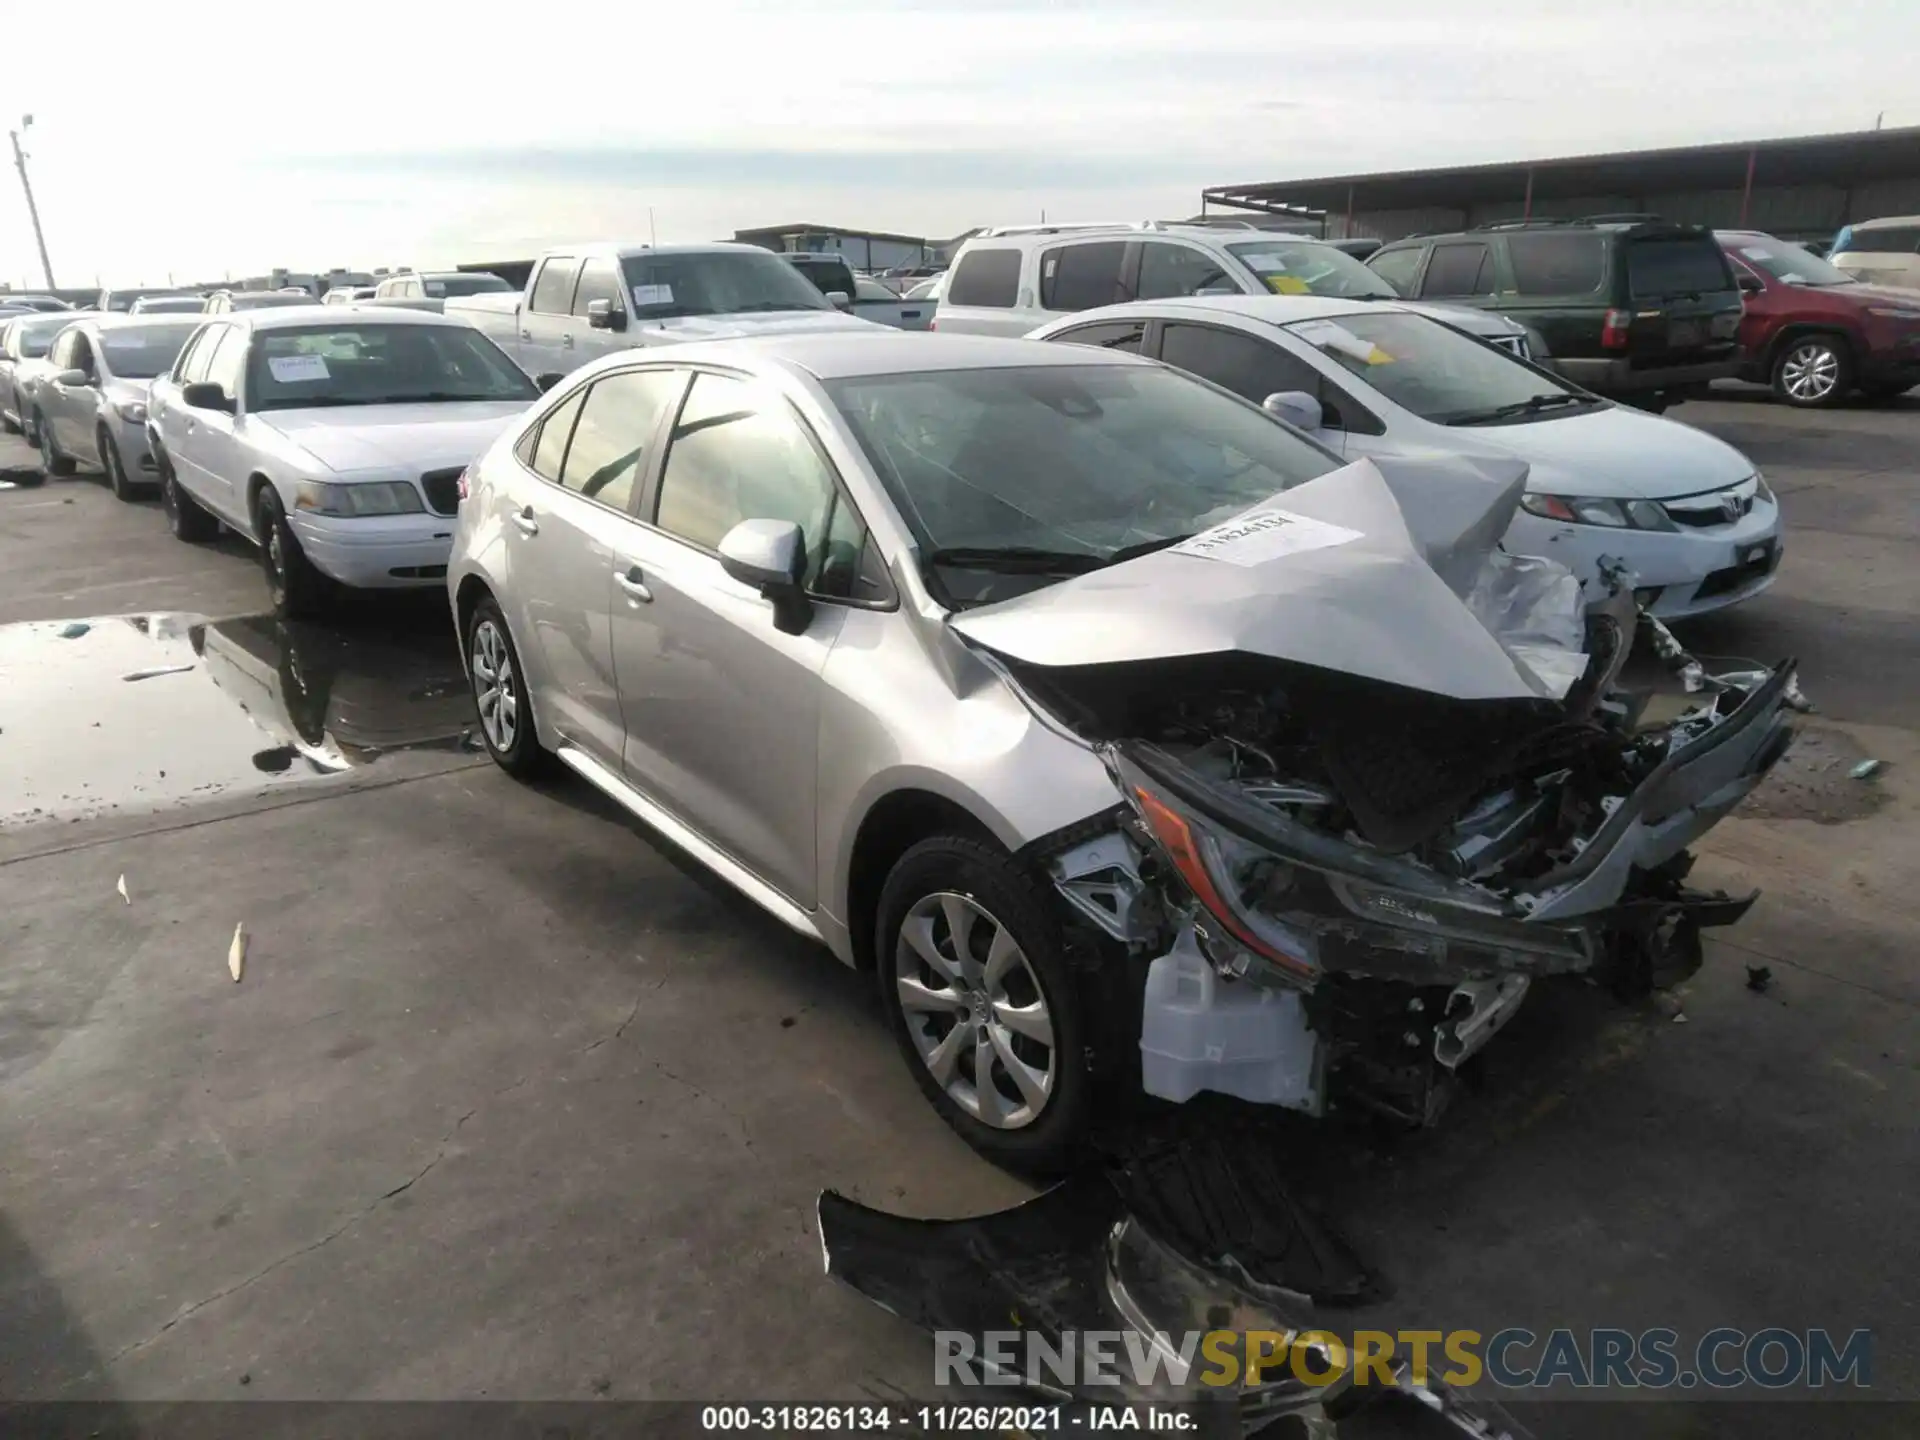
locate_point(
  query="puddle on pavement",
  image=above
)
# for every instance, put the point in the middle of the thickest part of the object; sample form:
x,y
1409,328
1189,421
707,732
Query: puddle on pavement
x,y
138,712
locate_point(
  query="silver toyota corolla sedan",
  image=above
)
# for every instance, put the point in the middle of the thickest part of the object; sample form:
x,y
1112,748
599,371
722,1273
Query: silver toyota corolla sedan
x,y
1133,740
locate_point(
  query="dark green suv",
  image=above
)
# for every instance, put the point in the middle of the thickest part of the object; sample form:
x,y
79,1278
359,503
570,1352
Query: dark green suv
x,y
1631,306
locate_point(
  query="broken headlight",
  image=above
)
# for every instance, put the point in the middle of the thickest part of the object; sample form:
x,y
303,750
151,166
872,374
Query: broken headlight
x,y
1231,879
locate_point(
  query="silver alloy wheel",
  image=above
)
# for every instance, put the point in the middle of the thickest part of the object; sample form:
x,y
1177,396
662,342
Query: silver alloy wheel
x,y
1810,371
495,692
975,1010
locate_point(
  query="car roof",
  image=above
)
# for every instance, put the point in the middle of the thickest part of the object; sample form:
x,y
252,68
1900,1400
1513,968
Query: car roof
x,y
614,250
1884,222
846,354
323,317
119,321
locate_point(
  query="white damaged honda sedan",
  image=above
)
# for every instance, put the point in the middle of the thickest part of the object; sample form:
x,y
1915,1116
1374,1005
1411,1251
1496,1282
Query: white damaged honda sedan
x,y
1690,515
333,439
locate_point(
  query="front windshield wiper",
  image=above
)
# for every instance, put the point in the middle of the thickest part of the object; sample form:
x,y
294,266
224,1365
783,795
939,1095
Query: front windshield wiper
x,y
1017,560
1532,405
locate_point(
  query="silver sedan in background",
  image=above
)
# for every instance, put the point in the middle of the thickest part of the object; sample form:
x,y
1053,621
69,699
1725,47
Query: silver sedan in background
x,y
92,409
24,344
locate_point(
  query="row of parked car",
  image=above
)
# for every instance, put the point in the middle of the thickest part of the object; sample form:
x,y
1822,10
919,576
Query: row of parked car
x,y
1131,696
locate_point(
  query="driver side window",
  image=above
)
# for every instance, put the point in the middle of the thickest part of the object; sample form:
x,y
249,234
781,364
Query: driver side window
x,y
738,452
1169,271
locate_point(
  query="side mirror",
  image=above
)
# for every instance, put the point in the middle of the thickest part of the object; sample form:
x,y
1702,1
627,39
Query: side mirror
x,y
547,379
839,299
1297,408
76,379
205,395
771,556
602,316
1751,285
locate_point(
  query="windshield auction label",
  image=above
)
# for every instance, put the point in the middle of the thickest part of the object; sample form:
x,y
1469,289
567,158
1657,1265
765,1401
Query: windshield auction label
x,y
1262,535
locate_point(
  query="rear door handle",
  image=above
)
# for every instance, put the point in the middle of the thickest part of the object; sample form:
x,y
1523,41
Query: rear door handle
x,y
634,583
524,519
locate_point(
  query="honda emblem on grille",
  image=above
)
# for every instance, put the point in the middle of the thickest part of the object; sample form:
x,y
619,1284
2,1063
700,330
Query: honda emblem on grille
x,y
1732,506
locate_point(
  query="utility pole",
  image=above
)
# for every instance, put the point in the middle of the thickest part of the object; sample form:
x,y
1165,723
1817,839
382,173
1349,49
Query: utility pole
x,y
33,210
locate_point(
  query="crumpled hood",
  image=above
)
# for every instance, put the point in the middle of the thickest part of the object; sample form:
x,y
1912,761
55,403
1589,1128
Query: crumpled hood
x,y
395,437
735,327
1366,570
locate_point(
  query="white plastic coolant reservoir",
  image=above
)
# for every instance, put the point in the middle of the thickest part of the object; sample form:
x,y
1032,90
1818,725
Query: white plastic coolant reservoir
x,y
1203,1032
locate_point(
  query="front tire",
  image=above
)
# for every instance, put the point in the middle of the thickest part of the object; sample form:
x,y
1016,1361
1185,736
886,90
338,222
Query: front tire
x,y
500,695
983,1003
185,518
123,488
51,459
1813,372
297,589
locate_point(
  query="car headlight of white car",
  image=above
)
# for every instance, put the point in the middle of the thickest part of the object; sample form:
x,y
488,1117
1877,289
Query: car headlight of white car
x,y
1592,510
134,412
372,497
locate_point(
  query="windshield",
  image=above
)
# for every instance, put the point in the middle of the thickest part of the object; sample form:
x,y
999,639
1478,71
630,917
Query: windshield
x,y
1428,368
374,364
1307,267
1076,463
718,282
140,352
36,334
1791,265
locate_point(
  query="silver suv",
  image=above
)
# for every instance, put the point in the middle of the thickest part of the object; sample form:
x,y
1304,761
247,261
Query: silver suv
x,y
1007,671
1013,278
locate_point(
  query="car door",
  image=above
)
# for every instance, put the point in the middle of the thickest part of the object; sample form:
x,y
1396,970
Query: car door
x,y
722,709
570,525
61,405
217,456
1254,368
599,280
546,319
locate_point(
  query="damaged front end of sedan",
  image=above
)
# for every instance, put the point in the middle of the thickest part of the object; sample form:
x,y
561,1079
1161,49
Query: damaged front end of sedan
x,y
1378,777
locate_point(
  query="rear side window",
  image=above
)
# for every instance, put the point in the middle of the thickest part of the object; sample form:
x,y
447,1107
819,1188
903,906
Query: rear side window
x,y
985,277
609,449
1557,262
1459,270
1677,266
1079,277
1397,267
553,291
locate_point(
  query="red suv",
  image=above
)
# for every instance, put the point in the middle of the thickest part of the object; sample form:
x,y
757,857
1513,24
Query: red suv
x,y
1815,333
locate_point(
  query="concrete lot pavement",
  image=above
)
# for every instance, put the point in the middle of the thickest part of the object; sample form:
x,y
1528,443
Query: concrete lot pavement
x,y
513,1102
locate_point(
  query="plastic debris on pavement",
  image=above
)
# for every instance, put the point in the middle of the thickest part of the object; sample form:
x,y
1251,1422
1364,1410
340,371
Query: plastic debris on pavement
x,y
1865,770
1759,977
157,671
122,888
237,952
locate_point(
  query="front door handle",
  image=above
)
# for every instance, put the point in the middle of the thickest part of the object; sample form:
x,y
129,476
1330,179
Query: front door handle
x,y
635,584
524,519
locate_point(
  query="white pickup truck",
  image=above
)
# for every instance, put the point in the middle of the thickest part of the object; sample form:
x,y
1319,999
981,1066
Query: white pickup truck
x,y
585,301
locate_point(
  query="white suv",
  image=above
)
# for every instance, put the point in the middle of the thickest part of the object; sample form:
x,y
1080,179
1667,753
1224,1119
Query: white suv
x,y
1010,279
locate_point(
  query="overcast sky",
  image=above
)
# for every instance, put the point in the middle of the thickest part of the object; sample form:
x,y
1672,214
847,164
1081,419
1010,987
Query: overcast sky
x,y
210,137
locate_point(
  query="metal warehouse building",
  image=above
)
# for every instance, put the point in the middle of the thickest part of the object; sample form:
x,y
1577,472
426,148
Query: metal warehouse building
x,y
1804,188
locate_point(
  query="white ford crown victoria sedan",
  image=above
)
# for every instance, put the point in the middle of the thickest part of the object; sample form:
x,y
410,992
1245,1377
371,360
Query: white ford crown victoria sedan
x,y
333,439
1689,514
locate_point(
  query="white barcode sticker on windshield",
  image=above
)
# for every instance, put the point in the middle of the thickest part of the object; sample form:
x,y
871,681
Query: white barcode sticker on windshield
x,y
645,295
291,369
1262,535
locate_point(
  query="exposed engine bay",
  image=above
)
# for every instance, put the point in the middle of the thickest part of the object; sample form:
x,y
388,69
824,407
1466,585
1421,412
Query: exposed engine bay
x,y
1348,874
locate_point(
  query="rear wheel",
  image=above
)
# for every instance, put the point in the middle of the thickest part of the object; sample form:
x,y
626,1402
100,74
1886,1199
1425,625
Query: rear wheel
x,y
298,590
983,1003
52,460
1813,371
500,695
185,518
123,488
